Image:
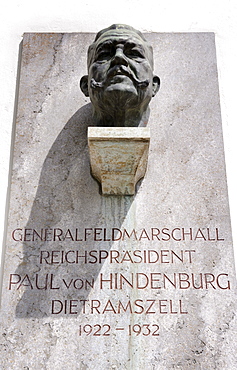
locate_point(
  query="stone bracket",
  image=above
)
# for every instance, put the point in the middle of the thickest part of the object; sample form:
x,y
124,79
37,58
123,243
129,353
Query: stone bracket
x,y
118,157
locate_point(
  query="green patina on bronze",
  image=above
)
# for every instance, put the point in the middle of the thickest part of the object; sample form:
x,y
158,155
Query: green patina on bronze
x,y
120,80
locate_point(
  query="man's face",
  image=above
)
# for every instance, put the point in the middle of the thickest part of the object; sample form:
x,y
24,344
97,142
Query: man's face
x,y
121,64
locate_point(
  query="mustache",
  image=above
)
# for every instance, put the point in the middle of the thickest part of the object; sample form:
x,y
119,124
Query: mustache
x,y
122,71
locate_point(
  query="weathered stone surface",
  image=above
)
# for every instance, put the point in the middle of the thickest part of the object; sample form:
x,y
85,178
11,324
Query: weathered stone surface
x,y
55,283
118,157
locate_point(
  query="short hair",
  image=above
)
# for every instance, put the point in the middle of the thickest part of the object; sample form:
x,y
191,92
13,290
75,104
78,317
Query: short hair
x,y
92,47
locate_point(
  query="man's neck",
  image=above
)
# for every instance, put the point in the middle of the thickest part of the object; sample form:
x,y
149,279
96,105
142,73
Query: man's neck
x,y
119,117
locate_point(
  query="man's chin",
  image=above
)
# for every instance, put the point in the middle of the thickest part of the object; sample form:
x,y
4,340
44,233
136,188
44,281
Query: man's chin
x,y
121,95
121,89
118,96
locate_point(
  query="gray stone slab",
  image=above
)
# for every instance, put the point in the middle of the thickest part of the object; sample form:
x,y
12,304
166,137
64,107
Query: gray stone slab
x,y
118,282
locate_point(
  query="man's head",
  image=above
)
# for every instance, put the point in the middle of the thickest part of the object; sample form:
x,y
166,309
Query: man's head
x,y
120,79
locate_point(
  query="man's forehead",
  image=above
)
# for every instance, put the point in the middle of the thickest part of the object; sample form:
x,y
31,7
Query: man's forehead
x,y
120,36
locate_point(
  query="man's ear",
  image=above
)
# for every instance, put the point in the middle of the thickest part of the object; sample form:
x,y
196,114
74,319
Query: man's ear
x,y
155,85
84,85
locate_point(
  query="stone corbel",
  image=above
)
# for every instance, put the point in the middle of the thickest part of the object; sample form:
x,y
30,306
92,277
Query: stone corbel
x,y
118,157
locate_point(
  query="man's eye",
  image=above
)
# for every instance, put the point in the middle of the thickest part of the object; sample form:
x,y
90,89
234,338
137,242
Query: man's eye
x,y
103,55
134,53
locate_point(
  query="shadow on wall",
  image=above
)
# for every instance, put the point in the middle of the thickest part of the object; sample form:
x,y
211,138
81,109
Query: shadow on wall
x,y
69,205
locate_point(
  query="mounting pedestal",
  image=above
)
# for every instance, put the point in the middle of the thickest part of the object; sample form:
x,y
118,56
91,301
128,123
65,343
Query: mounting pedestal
x,y
118,157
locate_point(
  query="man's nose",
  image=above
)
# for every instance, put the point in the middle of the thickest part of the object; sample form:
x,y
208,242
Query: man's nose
x,y
119,58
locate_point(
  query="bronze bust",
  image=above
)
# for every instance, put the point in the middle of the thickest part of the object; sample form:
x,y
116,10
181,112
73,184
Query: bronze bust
x,y
120,80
